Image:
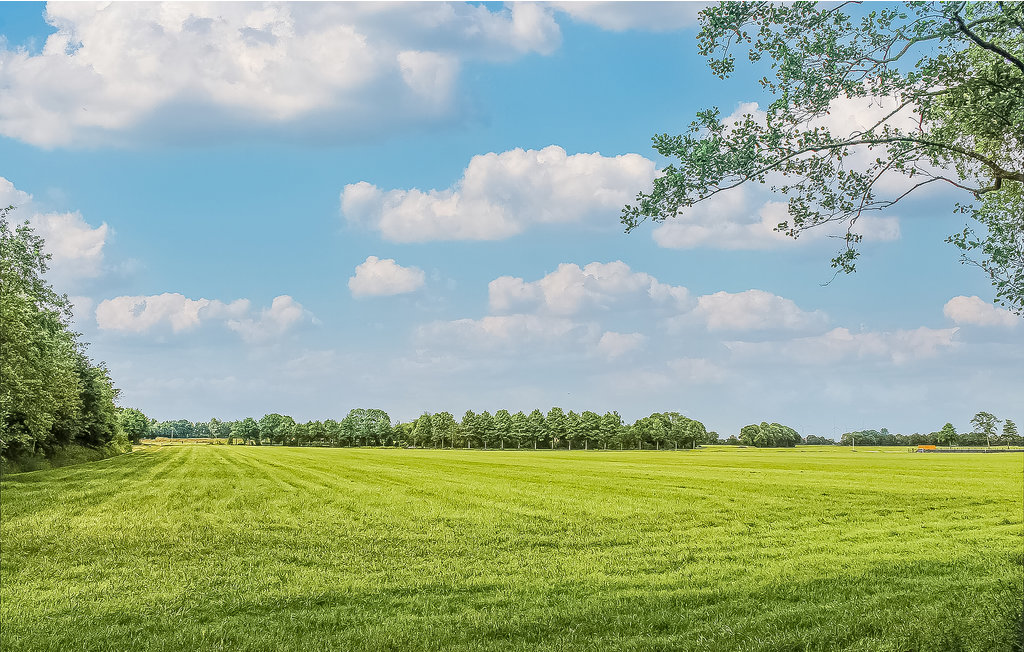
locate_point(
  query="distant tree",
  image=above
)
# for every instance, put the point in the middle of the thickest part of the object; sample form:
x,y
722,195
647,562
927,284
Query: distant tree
x,y
218,428
378,424
590,428
573,429
1010,436
536,427
485,429
300,434
423,430
985,424
520,429
556,426
769,435
134,423
333,432
947,436
815,440
247,430
611,429
468,428
316,433
445,429
503,427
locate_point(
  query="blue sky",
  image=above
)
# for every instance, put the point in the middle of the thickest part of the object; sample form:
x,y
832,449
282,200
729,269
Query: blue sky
x,y
309,208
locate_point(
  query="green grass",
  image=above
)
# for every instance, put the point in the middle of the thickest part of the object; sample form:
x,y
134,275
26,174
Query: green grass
x,y
244,548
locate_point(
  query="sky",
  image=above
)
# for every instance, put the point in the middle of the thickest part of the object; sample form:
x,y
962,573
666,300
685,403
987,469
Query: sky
x,y
307,208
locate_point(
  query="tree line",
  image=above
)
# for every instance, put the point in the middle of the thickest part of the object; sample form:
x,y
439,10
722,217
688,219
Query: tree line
x,y
555,428
986,433
52,396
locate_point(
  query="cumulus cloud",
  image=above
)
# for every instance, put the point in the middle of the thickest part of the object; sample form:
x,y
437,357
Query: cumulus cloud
x,y
112,70
613,345
977,312
571,289
500,195
898,346
283,313
622,16
140,314
376,277
75,245
754,310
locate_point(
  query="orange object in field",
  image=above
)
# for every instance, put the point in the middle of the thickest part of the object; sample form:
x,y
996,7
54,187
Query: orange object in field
x,y
926,447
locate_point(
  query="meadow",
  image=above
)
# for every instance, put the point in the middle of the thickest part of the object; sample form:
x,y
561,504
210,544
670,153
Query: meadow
x,y
269,548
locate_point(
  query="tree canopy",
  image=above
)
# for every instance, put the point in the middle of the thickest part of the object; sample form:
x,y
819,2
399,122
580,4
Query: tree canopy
x,y
51,394
947,80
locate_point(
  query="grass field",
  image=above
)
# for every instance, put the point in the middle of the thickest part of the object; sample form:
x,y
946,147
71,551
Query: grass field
x,y
245,548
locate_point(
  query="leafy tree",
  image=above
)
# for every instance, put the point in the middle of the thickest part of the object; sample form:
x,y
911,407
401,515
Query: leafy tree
x,y
134,423
948,79
590,427
536,427
51,394
503,427
423,429
1010,436
556,426
445,429
332,432
947,436
769,435
611,429
247,430
218,428
316,432
520,429
985,424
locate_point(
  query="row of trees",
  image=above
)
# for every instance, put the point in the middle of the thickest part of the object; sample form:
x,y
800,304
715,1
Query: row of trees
x,y
986,433
503,429
51,394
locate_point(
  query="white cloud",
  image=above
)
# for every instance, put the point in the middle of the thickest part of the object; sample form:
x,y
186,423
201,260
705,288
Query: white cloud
x,y
622,16
729,221
112,68
507,333
376,277
75,245
754,310
613,345
899,346
283,313
975,311
139,314
571,289
500,195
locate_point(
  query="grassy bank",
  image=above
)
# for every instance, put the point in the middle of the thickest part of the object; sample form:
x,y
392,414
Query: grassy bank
x,y
66,456
245,548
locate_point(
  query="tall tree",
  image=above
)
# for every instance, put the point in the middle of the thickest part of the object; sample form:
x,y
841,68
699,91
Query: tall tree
x,y
985,423
51,394
947,83
947,435
1010,436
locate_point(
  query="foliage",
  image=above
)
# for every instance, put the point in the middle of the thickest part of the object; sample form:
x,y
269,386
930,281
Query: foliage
x,y
51,394
769,435
947,79
985,424
134,423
